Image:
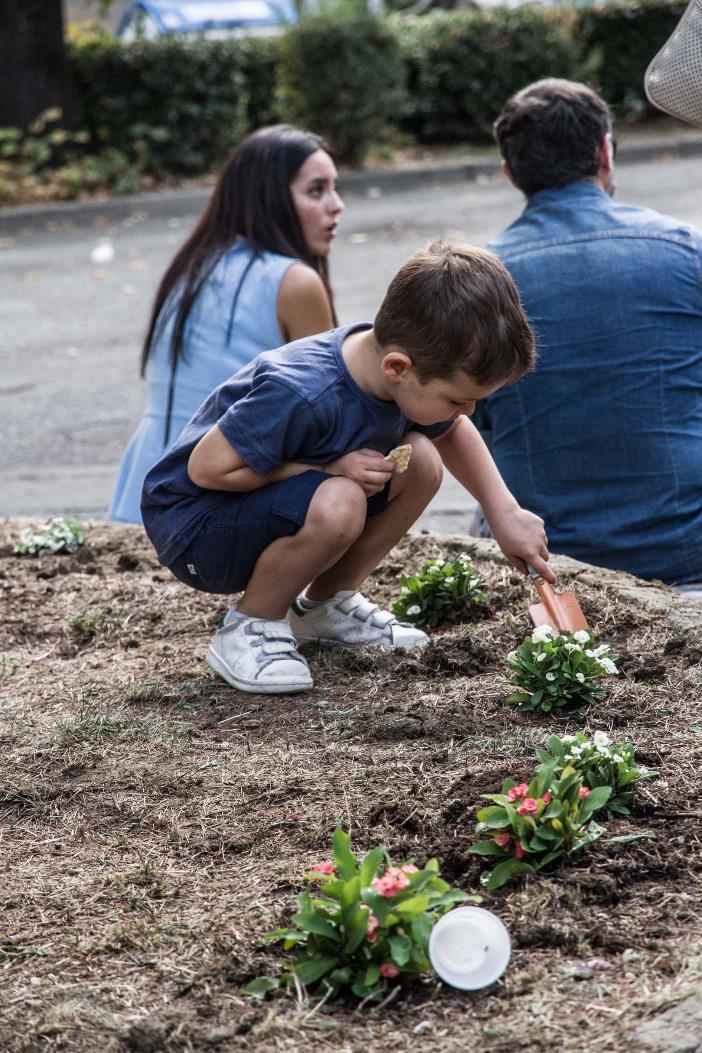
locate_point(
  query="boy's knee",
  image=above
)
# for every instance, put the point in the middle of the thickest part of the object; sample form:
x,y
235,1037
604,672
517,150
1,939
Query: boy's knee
x,y
425,462
338,509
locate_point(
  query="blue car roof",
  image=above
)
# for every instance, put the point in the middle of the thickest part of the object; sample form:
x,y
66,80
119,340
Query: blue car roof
x,y
192,16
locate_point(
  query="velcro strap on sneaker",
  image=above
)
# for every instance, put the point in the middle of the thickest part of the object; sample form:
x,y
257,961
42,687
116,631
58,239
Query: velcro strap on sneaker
x,y
359,607
278,646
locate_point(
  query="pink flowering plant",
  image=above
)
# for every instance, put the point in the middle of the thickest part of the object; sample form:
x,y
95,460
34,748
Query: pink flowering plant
x,y
531,826
599,762
362,925
443,590
551,670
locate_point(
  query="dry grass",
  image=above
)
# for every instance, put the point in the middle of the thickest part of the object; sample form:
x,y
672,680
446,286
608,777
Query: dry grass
x,y
154,822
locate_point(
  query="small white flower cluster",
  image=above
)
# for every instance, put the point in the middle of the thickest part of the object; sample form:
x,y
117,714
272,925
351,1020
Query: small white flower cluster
x,y
579,748
414,609
545,634
58,535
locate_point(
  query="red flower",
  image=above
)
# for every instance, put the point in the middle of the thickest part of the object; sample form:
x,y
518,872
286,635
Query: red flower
x,y
547,797
503,839
518,850
583,792
528,805
517,791
326,867
388,970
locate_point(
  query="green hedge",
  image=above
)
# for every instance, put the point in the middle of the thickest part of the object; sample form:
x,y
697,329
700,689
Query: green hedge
x,y
176,107
342,75
170,106
463,65
622,38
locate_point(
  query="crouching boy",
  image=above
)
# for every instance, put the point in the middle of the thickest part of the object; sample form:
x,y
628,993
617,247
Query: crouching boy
x,y
279,486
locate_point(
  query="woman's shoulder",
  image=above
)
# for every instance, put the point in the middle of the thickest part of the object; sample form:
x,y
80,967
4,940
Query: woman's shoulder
x,y
303,303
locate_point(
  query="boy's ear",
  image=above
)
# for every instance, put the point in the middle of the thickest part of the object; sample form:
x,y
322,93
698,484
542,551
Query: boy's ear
x,y
396,363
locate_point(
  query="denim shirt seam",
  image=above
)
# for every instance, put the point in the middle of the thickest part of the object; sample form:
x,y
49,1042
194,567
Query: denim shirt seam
x,y
685,241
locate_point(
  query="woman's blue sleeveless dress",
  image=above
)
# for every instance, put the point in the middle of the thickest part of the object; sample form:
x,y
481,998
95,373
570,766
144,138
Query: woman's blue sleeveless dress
x,y
218,341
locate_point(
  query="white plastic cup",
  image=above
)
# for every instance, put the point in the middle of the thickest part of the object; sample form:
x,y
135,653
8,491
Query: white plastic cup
x,y
469,948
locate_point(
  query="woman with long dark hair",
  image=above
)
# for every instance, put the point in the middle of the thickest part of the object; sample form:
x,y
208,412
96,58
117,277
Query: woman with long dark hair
x,y
252,275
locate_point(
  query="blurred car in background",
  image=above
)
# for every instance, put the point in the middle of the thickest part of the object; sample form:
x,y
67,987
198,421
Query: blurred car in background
x,y
212,19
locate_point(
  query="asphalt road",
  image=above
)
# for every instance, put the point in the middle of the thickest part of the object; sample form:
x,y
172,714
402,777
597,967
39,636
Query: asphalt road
x,y
71,328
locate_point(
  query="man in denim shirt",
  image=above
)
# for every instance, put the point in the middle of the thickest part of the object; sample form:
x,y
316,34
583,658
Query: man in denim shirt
x,y
604,439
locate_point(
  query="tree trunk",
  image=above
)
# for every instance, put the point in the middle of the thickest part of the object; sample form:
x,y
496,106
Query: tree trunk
x,y
32,61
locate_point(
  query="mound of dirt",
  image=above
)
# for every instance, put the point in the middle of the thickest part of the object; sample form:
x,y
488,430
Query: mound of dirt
x,y
155,823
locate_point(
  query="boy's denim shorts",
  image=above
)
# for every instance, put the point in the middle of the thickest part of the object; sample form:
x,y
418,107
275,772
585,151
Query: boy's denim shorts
x,y
222,555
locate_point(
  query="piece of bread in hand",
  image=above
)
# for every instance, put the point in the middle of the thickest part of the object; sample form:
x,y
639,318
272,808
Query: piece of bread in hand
x,y
401,456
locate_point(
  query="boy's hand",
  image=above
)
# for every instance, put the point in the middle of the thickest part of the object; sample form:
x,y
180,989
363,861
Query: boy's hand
x,y
368,468
522,538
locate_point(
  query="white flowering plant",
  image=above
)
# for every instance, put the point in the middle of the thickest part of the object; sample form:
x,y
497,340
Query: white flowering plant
x,y
363,926
599,762
531,826
443,590
551,670
58,535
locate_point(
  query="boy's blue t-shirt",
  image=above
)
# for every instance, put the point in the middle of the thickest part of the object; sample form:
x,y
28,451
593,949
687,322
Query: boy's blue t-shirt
x,y
297,403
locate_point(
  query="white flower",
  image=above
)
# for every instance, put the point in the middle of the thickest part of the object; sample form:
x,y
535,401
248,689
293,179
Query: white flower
x,y
404,590
601,738
512,656
541,657
582,636
608,665
542,634
603,751
568,738
463,558
642,769
589,653
439,562
550,676
576,750
450,581
580,678
414,609
602,649
570,647
434,570
616,758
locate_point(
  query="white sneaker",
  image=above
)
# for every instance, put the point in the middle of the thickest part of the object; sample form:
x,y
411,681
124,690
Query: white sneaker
x,y
259,656
348,619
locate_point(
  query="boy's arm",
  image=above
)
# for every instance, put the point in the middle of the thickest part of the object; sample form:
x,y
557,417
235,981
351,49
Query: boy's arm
x,y
214,464
519,533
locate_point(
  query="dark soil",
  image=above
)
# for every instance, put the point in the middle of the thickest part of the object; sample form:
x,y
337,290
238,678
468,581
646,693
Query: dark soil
x,y
155,823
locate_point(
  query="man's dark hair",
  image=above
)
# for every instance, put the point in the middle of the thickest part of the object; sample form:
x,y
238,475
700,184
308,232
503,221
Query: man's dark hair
x,y
550,134
454,308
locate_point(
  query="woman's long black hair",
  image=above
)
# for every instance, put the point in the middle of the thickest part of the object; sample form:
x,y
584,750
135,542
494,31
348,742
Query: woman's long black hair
x,y
252,198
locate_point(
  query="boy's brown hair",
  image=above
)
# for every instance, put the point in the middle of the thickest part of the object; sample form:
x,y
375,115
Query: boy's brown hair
x,y
455,308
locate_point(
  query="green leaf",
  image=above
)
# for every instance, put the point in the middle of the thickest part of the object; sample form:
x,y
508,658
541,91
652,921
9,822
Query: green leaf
x,y
505,871
413,906
486,848
356,929
421,930
369,866
291,935
595,800
260,987
494,818
350,894
314,969
400,950
311,922
372,975
344,859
